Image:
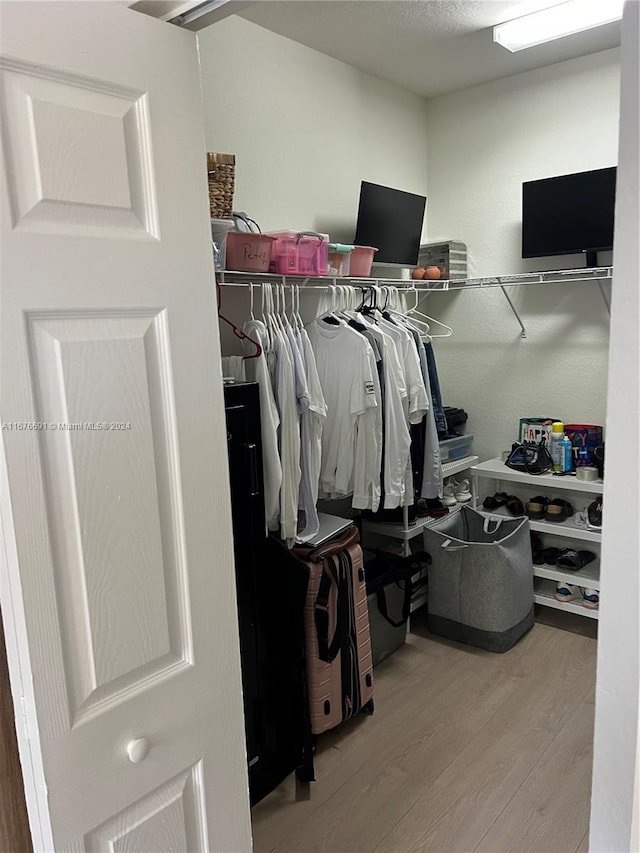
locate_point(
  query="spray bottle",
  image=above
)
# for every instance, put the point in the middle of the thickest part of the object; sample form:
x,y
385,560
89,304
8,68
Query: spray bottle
x,y
567,454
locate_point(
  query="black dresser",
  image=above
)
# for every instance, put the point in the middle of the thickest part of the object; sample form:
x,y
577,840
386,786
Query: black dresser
x,y
271,594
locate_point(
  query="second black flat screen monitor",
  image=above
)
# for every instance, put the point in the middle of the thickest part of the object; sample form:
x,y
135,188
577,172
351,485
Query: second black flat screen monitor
x,y
391,220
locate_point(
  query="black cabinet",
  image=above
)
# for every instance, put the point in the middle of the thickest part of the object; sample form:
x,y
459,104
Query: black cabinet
x,y
271,595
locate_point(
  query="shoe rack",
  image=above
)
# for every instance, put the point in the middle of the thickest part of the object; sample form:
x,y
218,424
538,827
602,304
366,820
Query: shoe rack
x,y
494,476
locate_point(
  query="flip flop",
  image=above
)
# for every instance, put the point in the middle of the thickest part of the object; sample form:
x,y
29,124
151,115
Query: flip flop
x,y
558,510
573,560
499,499
537,506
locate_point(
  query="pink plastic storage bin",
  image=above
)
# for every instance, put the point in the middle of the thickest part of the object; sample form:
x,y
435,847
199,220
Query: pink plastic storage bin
x,y
361,261
300,253
249,252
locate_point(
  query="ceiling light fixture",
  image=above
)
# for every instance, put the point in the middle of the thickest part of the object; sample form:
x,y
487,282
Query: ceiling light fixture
x,y
573,16
191,10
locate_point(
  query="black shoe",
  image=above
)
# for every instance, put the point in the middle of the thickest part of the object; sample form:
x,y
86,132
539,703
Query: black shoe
x,y
536,549
594,514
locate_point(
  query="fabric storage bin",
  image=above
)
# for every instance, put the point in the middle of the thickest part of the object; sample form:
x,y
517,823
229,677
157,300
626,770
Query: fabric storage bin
x,y
456,448
361,261
248,252
299,253
480,579
391,586
339,258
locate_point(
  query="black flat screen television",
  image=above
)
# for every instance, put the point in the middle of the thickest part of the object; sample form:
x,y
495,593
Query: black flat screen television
x,y
391,221
569,214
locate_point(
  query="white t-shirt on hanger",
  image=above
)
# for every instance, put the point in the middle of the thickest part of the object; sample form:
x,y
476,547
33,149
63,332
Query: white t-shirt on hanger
x,y
344,360
368,448
312,422
417,394
397,438
257,370
289,444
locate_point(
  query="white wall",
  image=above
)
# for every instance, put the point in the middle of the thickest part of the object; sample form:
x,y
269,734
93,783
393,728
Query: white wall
x,y
482,143
616,760
305,129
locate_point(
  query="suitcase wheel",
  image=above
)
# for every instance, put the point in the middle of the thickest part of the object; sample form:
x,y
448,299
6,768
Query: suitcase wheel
x,y
368,708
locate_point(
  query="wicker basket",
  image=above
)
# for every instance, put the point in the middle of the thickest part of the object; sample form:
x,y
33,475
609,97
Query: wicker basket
x,y
222,170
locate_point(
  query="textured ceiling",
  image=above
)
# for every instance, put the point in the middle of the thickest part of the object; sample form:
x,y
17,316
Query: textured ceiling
x,y
430,47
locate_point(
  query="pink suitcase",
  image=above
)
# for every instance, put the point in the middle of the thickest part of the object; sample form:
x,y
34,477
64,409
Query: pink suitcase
x,y
337,641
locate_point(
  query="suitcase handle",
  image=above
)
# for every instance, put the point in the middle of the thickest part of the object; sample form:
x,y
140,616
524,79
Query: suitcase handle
x,y
327,652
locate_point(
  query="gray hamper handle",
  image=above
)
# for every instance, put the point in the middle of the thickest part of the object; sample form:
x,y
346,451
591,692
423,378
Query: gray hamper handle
x,y
488,521
449,547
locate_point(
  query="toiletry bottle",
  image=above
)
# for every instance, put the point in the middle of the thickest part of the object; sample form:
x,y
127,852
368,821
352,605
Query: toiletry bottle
x,y
567,454
555,444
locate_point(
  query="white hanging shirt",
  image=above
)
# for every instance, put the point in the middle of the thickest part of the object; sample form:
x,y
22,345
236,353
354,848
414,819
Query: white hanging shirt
x,y
289,435
397,438
257,370
417,393
312,422
346,369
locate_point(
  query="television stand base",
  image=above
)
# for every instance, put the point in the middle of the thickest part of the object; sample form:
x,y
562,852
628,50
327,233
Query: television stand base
x,y
592,259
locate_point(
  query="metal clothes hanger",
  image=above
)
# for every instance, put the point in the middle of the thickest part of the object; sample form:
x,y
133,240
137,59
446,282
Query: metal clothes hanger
x,y
236,331
414,311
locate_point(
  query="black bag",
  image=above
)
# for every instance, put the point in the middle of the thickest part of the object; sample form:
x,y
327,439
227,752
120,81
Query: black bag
x,y
455,417
530,457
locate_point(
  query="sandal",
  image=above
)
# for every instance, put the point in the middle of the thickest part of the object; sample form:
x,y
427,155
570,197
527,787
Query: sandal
x,y
537,506
514,505
499,499
550,556
558,510
573,560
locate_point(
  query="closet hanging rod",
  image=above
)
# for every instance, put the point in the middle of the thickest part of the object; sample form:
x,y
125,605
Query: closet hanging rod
x,y
303,286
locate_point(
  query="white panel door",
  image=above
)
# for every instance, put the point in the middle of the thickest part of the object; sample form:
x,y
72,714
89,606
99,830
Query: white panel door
x,y
117,581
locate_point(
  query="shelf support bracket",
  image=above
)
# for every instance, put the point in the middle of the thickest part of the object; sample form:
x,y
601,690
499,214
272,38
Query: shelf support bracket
x,y
604,297
523,333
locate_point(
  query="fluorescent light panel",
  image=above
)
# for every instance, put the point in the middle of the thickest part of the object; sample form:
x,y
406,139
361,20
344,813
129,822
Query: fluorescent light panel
x,y
559,21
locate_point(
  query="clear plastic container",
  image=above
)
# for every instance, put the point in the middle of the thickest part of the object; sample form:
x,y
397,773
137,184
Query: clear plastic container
x,y
299,253
456,448
361,260
219,230
339,257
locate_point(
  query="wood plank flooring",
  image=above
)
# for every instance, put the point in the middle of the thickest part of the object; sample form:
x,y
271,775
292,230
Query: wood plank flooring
x,y
466,751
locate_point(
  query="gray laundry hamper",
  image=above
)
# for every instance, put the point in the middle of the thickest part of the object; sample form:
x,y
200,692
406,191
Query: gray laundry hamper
x,y
480,579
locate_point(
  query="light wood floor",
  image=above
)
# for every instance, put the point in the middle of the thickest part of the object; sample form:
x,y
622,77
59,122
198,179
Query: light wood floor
x,y
466,751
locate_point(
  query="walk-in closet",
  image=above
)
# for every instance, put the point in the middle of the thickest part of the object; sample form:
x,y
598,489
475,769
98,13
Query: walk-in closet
x,y
318,476
472,740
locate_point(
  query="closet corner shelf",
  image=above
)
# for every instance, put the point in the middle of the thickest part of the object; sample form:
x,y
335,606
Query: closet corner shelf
x,y
408,531
546,577
497,470
543,594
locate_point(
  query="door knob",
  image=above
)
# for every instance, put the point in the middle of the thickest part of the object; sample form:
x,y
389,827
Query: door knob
x,y
138,749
